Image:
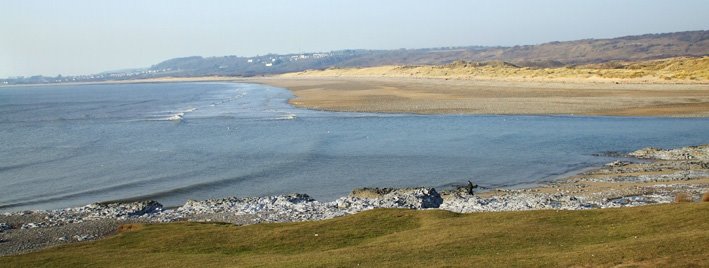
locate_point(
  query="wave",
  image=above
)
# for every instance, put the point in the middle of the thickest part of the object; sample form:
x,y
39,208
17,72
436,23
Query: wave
x,y
176,117
287,116
173,116
179,115
102,190
280,170
228,99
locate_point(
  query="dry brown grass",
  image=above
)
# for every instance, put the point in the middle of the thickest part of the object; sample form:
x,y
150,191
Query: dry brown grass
x,y
683,198
681,69
125,228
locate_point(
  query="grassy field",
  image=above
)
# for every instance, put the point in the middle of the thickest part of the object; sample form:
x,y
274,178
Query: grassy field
x,y
662,235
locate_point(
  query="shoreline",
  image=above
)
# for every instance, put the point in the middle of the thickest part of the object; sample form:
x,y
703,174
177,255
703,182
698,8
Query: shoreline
x,y
678,175
136,81
480,96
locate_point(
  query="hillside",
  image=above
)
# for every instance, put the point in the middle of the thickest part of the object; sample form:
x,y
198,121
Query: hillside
x,y
547,55
660,235
553,54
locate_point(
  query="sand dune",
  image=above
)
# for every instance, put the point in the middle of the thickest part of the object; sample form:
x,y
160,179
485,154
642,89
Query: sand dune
x,y
670,87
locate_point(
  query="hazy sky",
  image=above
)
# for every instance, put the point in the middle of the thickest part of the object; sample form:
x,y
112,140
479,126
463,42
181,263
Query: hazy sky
x,y
81,37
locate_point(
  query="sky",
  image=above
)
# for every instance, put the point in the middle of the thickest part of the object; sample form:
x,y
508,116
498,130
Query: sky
x,y
72,37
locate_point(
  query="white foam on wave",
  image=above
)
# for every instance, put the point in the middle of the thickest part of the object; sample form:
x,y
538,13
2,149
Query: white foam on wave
x,y
176,117
228,99
288,116
172,116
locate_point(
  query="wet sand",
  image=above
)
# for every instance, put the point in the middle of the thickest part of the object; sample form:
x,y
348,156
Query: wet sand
x,y
496,96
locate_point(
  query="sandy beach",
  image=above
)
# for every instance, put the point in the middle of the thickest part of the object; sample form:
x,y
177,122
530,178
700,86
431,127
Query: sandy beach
x,y
346,91
495,96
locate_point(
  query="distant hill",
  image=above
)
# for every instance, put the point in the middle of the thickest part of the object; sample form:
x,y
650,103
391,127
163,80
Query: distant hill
x,y
553,54
629,48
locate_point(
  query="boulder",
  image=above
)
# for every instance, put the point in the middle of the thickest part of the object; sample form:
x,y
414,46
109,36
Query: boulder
x,y
413,198
4,227
121,209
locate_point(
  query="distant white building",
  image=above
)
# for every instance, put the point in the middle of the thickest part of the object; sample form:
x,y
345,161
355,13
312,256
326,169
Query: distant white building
x,y
250,61
269,64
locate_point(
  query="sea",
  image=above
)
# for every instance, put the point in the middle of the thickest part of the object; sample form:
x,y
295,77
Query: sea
x,y
72,145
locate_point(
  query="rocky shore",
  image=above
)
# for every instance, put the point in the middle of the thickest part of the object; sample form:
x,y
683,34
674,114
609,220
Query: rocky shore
x,y
678,175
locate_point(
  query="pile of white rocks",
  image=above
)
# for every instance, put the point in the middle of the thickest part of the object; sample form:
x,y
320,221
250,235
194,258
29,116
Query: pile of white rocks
x,y
97,211
300,207
369,198
514,202
675,176
117,210
700,152
280,208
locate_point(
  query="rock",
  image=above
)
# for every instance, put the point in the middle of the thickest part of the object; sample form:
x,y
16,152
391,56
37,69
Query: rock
x,y
618,163
124,210
700,152
681,175
301,207
291,207
84,237
368,198
4,226
610,154
29,225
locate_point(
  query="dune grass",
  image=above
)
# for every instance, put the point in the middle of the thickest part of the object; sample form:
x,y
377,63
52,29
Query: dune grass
x,y
661,235
664,70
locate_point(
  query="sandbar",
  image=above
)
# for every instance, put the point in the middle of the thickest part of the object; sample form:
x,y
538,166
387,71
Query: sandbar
x,y
495,96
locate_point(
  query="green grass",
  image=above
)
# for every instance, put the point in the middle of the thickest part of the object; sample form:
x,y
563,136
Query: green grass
x,y
663,235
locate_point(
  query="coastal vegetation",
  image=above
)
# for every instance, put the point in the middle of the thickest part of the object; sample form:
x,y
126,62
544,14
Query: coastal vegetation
x,y
657,235
681,69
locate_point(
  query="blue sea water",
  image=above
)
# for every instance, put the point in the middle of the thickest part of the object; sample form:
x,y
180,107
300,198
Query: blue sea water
x,y
63,146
